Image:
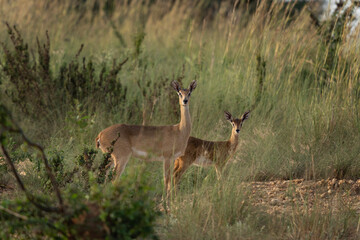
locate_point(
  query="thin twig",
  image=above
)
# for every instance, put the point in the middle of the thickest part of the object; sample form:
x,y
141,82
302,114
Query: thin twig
x,y
80,50
15,214
123,62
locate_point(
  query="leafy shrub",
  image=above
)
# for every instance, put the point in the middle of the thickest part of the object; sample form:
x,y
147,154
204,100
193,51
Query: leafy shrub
x,y
41,94
85,166
56,161
119,211
85,162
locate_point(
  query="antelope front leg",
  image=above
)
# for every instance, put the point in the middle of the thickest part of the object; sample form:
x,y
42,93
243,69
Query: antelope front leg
x,y
120,161
181,165
167,185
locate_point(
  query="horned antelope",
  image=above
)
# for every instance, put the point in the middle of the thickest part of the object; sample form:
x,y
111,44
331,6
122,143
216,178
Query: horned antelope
x,y
152,143
204,153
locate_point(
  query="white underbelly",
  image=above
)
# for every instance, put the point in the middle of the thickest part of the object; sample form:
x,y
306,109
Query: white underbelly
x,y
150,157
203,161
139,153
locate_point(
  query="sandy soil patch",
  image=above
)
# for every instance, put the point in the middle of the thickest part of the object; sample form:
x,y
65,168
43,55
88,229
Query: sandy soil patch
x,y
277,197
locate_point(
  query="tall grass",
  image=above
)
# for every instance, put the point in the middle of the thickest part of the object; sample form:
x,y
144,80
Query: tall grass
x,y
223,210
303,92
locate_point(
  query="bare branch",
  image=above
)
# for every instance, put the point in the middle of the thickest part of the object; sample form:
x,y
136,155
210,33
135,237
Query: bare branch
x,y
22,186
18,130
15,214
13,169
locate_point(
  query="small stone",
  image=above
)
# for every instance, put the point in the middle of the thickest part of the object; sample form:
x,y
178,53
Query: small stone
x,y
274,202
333,181
329,191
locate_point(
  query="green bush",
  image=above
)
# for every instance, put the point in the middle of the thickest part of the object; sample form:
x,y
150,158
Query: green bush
x,y
43,95
116,211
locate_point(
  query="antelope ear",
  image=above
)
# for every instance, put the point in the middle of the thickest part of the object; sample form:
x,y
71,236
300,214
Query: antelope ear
x,y
193,85
175,85
245,116
228,116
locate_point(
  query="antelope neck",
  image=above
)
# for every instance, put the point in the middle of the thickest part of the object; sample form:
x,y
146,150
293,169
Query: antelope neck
x,y
185,122
234,139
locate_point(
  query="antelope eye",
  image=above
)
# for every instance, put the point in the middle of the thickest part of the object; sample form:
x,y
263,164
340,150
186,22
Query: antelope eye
x,y
180,95
189,94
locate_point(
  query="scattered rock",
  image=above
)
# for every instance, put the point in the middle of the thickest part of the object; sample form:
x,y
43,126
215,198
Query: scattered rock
x,y
274,202
283,196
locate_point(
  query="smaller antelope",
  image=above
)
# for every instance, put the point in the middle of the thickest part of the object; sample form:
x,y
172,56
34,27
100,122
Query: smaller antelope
x,y
204,153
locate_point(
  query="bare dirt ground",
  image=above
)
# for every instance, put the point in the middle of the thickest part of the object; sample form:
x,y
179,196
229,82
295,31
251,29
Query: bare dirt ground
x,y
277,197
